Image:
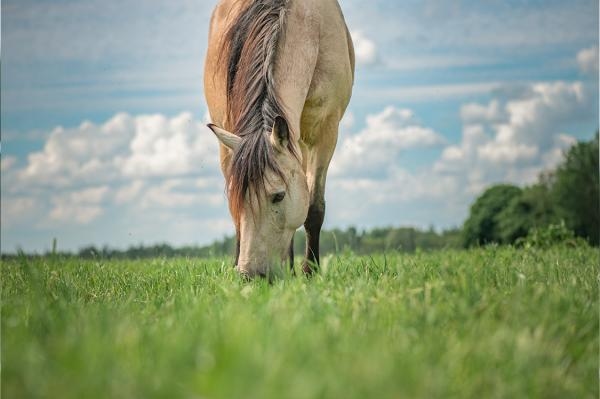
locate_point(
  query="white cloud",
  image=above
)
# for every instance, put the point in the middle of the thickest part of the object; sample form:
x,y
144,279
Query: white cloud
x,y
78,207
507,152
182,193
124,147
381,142
7,162
457,158
66,213
92,195
399,186
514,139
587,59
365,49
130,192
514,133
170,147
370,180
537,117
157,148
80,155
127,161
476,113
17,210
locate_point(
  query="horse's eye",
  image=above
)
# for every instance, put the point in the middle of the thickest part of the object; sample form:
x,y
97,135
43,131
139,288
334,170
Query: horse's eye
x,y
278,197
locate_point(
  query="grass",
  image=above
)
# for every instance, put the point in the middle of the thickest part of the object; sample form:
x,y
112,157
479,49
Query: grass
x,y
485,323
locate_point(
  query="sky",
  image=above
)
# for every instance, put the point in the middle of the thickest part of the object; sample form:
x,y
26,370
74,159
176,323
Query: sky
x,y
103,117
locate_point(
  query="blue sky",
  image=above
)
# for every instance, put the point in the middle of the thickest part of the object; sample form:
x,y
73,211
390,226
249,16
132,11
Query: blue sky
x,y
103,137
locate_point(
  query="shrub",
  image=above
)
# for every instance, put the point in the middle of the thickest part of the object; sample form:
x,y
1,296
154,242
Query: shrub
x,y
551,235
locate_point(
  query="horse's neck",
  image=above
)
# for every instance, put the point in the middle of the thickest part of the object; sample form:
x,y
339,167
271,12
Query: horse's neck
x,y
296,60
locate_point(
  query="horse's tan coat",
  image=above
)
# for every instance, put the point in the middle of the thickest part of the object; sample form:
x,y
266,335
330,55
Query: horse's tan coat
x,y
314,73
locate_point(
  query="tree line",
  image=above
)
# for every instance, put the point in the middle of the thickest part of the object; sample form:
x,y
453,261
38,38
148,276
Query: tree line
x,y
405,239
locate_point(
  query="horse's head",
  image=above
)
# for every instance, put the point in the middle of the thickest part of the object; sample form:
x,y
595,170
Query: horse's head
x,y
267,193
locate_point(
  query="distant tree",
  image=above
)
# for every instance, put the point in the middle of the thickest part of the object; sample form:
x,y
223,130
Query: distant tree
x,y
576,190
451,238
402,239
405,239
483,225
89,252
353,238
533,208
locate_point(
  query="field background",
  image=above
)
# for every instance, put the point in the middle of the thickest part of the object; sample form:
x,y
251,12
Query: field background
x,y
494,322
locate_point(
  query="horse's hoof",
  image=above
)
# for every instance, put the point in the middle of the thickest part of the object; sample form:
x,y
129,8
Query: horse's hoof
x,y
308,269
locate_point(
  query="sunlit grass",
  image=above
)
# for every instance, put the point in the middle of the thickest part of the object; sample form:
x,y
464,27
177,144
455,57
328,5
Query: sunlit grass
x,y
495,322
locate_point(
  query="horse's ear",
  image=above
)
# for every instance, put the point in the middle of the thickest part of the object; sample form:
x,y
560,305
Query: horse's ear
x,y
280,135
228,139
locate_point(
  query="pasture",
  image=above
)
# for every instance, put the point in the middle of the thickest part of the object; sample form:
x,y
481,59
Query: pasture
x,y
484,323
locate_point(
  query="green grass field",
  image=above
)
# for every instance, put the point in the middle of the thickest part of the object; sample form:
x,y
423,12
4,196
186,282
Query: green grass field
x,y
485,323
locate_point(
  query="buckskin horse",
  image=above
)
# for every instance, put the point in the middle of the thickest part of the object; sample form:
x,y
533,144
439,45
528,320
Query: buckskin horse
x,y
278,78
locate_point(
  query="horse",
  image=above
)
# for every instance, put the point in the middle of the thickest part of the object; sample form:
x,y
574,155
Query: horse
x,y
278,78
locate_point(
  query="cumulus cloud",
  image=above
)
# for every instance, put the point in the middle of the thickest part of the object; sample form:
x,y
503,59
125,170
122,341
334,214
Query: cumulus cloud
x,y
365,49
70,213
587,59
79,206
375,148
537,117
79,155
478,113
515,138
7,162
168,147
126,161
507,152
17,210
130,192
123,147
512,138
181,193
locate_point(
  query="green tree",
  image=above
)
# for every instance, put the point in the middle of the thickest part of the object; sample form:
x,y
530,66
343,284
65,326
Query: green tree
x,y
533,208
482,226
576,190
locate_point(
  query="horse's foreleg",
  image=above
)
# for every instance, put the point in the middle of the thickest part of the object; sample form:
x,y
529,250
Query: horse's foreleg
x,y
318,159
291,253
312,226
237,248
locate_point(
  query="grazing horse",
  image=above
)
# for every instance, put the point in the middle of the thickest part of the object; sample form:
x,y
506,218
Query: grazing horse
x,y
277,80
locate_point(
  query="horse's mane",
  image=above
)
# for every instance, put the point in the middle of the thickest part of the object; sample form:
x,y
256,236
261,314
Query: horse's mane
x,y
252,102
